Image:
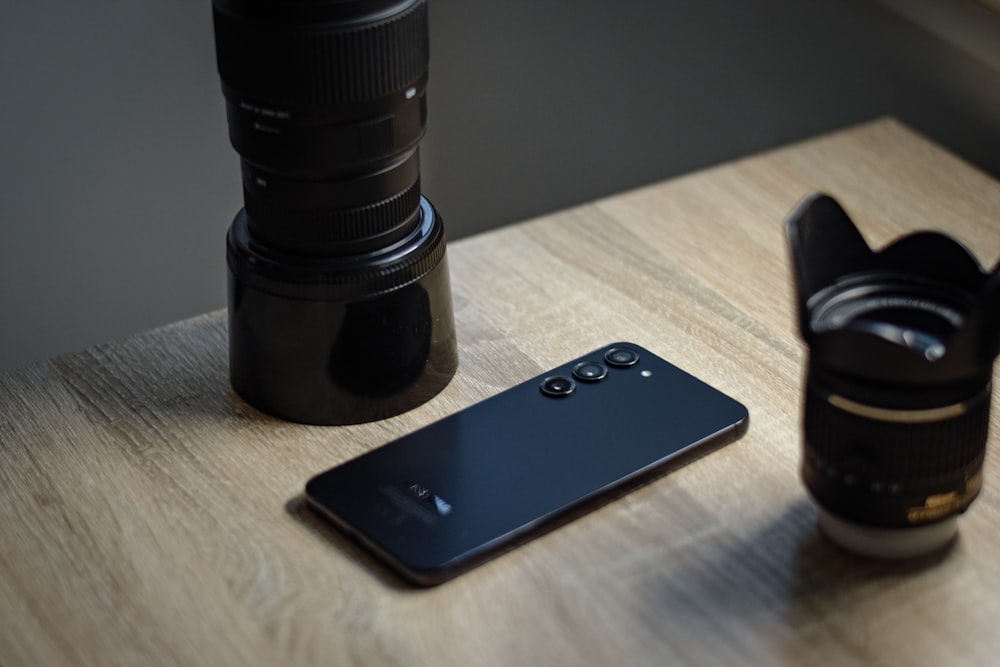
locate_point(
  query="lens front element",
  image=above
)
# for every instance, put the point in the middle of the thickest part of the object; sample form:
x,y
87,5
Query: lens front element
x,y
621,357
590,371
558,386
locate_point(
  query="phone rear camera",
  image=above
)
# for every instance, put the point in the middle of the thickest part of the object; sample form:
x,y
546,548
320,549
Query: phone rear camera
x,y
558,386
621,357
590,371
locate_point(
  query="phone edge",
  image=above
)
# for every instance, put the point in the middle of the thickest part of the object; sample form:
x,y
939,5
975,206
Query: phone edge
x,y
545,524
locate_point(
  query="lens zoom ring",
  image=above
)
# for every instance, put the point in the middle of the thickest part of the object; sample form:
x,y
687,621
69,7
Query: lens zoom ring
x,y
280,66
317,230
892,451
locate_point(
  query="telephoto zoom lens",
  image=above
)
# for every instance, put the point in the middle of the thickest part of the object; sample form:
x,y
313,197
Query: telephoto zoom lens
x,y
899,380
339,298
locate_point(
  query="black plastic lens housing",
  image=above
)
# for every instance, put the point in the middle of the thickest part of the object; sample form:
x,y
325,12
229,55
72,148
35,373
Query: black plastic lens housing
x,y
899,377
340,308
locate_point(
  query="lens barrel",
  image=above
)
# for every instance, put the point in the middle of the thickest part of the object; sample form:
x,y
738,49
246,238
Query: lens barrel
x,y
891,467
339,300
899,378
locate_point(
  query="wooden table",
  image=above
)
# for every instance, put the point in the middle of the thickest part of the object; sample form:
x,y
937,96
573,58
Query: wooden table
x,y
147,515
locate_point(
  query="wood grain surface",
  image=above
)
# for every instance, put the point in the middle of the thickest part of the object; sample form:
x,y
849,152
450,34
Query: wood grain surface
x,y
148,516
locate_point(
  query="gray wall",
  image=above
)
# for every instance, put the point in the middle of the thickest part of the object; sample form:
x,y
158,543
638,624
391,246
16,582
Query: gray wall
x,y
117,182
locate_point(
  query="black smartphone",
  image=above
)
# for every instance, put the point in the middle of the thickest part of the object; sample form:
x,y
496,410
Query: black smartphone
x,y
453,494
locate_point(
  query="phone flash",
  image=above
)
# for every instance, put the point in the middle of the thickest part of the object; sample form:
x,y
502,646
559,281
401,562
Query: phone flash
x,y
646,374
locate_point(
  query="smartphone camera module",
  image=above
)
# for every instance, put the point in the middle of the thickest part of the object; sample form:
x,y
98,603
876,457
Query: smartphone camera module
x,y
558,386
621,357
590,371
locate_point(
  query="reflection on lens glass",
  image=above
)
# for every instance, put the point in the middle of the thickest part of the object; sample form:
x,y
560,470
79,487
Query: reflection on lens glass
x,y
590,371
558,386
621,357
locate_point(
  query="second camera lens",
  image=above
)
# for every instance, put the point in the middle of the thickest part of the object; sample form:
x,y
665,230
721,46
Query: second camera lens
x,y
590,371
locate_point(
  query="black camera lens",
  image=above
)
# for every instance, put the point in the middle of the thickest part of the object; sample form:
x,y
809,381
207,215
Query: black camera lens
x,y
558,386
326,105
898,383
336,248
621,357
590,371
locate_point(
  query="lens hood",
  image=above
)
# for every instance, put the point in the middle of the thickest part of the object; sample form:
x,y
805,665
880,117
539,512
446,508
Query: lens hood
x,y
919,312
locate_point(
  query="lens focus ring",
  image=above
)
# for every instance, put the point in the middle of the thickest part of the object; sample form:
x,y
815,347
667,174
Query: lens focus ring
x,y
348,64
906,452
875,472
333,232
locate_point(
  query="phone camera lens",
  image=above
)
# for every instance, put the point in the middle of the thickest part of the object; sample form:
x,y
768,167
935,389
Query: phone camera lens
x,y
621,357
558,386
590,371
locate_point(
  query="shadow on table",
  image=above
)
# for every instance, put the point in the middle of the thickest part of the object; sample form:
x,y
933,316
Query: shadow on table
x,y
178,372
786,578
